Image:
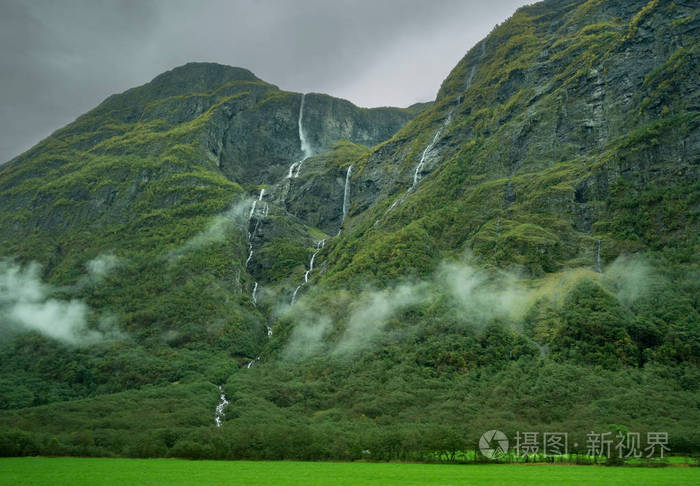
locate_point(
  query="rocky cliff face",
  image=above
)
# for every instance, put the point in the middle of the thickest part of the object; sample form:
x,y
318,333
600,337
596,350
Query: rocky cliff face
x,y
565,139
542,122
362,272
257,145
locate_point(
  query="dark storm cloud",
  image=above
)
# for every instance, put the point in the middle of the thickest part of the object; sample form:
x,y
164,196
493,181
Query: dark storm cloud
x,y
58,59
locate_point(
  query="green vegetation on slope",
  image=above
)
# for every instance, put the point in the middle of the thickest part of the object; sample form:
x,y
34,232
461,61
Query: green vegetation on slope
x,y
559,157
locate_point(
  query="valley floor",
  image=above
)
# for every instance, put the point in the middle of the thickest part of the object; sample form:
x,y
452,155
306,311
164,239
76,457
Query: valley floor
x,y
78,471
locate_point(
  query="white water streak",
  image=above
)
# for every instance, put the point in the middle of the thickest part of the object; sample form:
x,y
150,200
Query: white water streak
x,y
251,234
419,168
471,77
294,295
219,412
295,168
320,244
250,254
346,197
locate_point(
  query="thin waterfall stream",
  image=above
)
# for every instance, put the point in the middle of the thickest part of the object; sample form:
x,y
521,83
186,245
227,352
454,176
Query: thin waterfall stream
x,y
317,248
219,411
295,168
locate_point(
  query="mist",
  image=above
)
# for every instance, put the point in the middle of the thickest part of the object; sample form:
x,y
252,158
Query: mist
x,y
372,311
102,265
474,296
29,304
217,230
631,278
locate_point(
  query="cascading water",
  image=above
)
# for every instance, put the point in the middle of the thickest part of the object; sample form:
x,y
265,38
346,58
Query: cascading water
x,y
255,293
219,412
252,363
346,197
475,66
269,331
471,77
417,174
320,244
250,254
252,214
294,295
306,151
346,193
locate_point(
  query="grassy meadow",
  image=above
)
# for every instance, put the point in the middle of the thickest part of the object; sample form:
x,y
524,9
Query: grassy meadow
x,y
106,472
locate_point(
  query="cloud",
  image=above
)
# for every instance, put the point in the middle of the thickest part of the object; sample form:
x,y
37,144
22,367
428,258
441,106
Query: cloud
x,y
632,278
217,230
102,265
308,334
372,312
475,295
60,59
27,303
481,296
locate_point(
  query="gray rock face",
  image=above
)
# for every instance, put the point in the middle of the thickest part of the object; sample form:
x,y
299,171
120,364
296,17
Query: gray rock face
x,y
552,93
329,119
554,120
316,196
256,144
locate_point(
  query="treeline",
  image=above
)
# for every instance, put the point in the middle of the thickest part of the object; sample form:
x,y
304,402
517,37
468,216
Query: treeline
x,y
411,442
365,409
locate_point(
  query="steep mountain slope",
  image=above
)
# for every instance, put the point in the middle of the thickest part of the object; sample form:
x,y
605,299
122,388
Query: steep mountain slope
x,y
520,255
147,170
139,212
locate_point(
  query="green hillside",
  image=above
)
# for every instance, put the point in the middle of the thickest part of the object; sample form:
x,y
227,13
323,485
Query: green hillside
x,y
380,283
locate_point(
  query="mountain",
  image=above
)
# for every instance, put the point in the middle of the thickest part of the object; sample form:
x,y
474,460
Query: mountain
x,y
520,254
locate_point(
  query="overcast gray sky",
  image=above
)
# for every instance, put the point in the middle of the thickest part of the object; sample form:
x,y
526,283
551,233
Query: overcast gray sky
x,y
60,58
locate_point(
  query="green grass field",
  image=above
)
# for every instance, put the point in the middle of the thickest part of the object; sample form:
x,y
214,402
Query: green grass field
x,y
76,471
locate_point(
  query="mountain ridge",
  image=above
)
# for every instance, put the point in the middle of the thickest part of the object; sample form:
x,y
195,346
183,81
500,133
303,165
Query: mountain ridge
x,y
521,253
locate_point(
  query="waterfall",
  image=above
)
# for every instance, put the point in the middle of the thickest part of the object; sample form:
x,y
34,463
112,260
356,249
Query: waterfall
x,y
269,331
252,214
419,168
320,244
254,295
219,412
306,151
305,146
292,169
318,247
472,71
252,363
417,174
471,76
294,295
250,252
252,209
346,193
255,204
598,266
346,197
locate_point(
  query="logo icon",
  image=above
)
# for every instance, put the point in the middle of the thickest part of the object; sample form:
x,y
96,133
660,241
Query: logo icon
x,y
493,444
